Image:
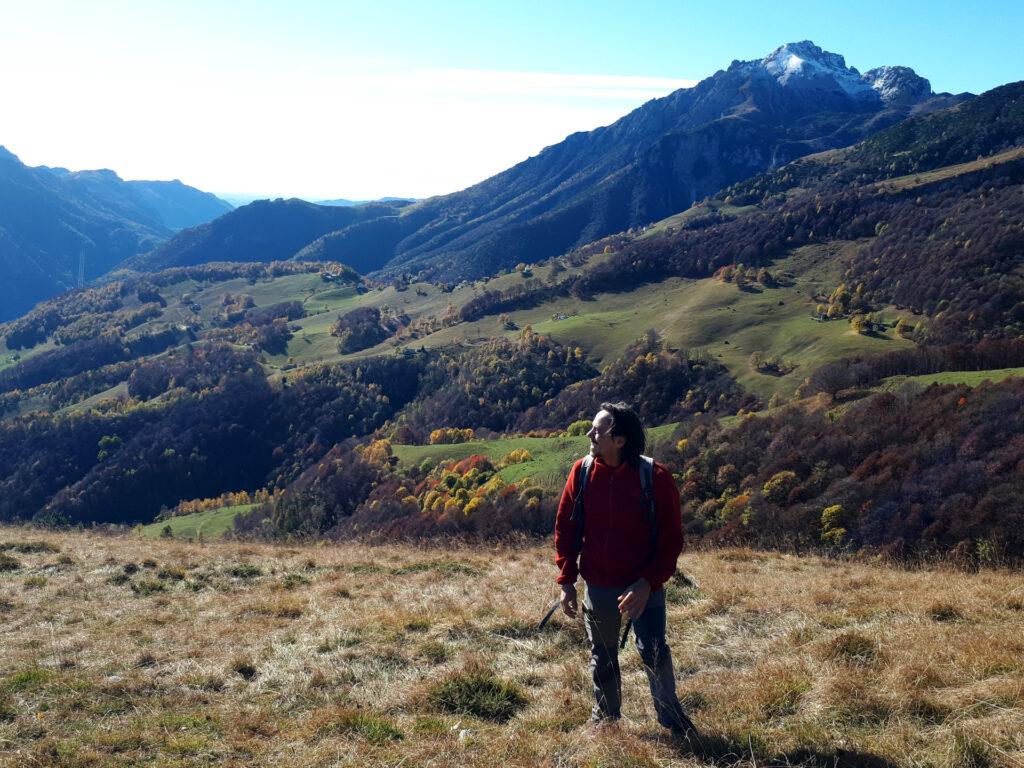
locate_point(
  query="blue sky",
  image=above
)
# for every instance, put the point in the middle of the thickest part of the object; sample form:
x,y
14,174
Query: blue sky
x,y
360,100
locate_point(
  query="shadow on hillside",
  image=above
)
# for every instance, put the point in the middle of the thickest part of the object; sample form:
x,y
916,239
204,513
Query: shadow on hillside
x,y
730,750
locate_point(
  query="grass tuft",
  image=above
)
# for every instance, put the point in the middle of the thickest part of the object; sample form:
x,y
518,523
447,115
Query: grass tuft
x,y
7,711
169,573
944,612
969,752
479,693
852,647
29,547
433,652
927,710
293,580
373,728
441,567
8,563
244,571
30,679
147,587
146,659
340,640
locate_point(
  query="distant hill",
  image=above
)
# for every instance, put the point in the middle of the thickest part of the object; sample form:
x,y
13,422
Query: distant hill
x,y
342,202
170,204
179,205
262,231
51,218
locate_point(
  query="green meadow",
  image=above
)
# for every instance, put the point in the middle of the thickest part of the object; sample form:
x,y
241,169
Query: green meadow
x,y
970,378
550,457
211,524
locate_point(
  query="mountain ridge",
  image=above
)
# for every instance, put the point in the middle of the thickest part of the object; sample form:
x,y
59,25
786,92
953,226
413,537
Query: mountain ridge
x,y
53,221
655,161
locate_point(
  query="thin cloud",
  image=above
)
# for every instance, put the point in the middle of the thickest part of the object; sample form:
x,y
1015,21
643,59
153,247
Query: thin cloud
x,y
356,134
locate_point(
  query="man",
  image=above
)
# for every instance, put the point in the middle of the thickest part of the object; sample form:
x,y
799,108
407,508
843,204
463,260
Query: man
x,y
623,573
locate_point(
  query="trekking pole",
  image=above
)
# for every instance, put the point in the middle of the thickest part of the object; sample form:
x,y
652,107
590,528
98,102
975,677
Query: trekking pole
x,y
550,613
625,634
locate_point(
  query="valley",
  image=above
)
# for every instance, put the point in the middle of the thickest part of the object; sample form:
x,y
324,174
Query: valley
x,y
864,301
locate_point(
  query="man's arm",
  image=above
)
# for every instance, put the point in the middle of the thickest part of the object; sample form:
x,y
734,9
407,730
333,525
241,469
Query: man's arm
x,y
565,532
670,529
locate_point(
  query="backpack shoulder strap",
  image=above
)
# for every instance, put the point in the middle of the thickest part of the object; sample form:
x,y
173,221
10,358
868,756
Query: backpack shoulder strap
x,y
647,484
582,477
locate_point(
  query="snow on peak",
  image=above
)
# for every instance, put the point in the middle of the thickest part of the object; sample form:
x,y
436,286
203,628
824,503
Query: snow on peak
x,y
898,84
804,60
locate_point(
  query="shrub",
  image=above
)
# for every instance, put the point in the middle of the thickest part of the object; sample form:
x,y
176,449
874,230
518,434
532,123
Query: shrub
x,y
450,436
777,489
578,428
8,563
518,456
832,530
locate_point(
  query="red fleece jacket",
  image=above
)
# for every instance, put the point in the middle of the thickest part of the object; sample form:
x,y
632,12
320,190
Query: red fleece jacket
x,y
616,533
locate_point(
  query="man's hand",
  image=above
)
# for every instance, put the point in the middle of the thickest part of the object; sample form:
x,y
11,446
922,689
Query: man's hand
x,y
569,600
633,601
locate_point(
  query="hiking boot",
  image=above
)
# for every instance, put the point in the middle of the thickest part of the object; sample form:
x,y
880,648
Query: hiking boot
x,y
685,731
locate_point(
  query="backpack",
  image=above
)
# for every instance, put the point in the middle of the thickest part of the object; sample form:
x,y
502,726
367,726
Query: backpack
x,y
646,483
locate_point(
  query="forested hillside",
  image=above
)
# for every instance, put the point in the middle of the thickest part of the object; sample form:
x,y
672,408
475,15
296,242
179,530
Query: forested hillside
x,y
300,386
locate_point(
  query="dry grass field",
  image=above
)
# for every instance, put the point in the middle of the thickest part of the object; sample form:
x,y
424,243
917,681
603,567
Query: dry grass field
x,y
127,651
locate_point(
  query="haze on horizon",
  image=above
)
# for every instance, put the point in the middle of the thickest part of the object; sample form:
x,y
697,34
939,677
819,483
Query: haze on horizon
x,y
329,100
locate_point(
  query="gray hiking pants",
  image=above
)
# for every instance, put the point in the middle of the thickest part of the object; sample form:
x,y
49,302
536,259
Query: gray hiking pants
x,y
603,621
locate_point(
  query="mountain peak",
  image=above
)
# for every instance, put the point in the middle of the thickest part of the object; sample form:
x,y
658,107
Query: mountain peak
x,y
804,61
793,58
898,85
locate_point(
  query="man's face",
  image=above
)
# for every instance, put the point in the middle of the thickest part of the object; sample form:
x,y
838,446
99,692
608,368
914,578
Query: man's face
x,y
601,441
